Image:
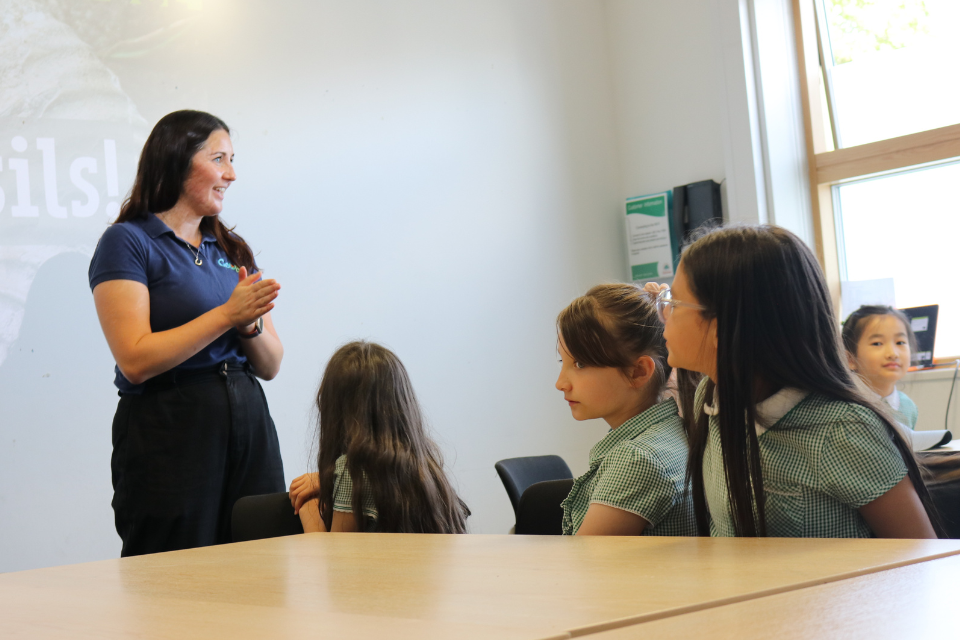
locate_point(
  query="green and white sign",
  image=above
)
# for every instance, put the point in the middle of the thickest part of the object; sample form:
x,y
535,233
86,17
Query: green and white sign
x,y
650,248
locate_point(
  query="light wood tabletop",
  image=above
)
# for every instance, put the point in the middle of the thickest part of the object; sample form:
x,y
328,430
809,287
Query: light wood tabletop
x,y
915,601
426,586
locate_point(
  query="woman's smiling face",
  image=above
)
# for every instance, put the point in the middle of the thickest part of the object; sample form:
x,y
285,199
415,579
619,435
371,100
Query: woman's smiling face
x,y
211,173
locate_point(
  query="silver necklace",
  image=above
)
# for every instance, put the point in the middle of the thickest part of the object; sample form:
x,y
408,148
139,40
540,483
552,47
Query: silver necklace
x,y
196,258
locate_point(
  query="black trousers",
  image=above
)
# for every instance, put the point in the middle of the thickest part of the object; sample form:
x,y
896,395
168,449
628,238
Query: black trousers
x,y
184,452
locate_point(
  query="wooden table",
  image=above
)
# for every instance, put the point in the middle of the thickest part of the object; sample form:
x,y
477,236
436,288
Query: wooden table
x,y
426,586
911,602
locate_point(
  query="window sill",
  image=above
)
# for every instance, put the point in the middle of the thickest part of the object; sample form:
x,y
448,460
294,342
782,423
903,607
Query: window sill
x,y
929,375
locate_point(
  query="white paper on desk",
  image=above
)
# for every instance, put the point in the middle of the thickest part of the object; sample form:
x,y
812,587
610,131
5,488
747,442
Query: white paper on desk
x,y
856,293
923,440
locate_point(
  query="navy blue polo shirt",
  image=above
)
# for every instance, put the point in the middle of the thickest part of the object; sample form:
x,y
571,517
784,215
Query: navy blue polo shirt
x,y
148,251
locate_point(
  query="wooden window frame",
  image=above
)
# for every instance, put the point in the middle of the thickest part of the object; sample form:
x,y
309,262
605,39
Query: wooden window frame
x,y
827,167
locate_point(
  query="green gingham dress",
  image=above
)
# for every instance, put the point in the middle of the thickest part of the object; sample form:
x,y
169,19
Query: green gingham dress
x,y
639,467
822,460
343,494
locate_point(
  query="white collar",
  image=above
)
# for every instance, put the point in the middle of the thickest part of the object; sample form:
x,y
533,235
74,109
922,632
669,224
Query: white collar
x,y
770,410
893,400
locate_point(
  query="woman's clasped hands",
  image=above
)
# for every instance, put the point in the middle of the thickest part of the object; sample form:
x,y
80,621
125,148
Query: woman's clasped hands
x,y
251,298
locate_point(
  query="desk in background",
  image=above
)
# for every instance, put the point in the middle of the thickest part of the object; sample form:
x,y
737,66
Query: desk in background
x,y
426,586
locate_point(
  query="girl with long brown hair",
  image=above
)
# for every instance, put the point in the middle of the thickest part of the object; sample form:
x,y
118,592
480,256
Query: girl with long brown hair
x,y
614,367
784,440
378,468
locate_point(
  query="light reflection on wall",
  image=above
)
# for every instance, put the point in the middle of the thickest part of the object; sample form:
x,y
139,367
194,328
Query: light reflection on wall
x,y
69,134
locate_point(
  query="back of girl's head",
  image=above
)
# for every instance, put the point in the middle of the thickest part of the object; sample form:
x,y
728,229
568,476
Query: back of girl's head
x,y
366,393
775,328
611,326
857,322
367,410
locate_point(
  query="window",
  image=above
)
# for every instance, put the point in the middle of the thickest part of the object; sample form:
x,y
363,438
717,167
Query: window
x,y
888,66
881,110
906,226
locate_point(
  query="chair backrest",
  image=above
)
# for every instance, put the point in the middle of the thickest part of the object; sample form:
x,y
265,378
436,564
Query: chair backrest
x,y
519,473
265,516
946,498
943,483
540,513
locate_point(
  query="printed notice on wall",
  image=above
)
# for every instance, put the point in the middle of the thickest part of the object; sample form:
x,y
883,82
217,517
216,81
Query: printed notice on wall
x,y
651,250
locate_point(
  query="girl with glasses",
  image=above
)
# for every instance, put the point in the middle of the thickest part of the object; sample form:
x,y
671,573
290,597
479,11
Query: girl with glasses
x,y
614,367
783,440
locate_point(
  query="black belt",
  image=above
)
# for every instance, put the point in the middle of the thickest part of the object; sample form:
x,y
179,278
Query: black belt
x,y
176,377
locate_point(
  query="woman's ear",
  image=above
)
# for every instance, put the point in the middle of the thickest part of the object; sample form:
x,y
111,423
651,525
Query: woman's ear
x,y
644,369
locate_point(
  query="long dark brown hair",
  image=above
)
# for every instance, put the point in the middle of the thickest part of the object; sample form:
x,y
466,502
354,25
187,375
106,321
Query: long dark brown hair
x,y
775,329
163,169
611,326
367,410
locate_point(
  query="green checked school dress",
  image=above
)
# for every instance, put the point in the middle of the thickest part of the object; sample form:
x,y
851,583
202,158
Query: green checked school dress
x,y
343,494
821,459
638,467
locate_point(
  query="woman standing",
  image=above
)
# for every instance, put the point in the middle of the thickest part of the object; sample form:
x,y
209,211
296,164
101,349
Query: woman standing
x,y
187,317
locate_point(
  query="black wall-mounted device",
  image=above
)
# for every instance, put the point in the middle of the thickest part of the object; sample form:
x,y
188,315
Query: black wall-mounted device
x,y
695,205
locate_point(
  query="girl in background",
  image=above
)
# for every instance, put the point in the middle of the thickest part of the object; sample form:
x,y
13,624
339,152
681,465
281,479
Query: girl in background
x,y
879,343
378,468
782,441
614,367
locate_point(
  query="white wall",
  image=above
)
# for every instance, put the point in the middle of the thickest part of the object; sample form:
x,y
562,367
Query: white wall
x,y
687,100
668,93
930,390
440,177
781,117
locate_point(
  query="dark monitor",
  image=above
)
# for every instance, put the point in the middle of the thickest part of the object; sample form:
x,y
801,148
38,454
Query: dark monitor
x,y
923,321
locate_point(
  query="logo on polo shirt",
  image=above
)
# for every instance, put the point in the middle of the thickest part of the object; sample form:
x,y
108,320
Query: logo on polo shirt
x,y
226,265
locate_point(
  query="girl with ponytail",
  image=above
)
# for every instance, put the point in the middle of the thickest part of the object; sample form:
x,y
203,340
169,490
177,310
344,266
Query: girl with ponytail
x,y
613,366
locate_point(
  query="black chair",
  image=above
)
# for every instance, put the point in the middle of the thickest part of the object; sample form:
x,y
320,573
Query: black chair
x,y
946,498
943,484
540,513
265,516
519,473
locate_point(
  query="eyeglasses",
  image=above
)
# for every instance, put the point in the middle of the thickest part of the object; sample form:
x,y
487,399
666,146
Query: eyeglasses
x,y
665,304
